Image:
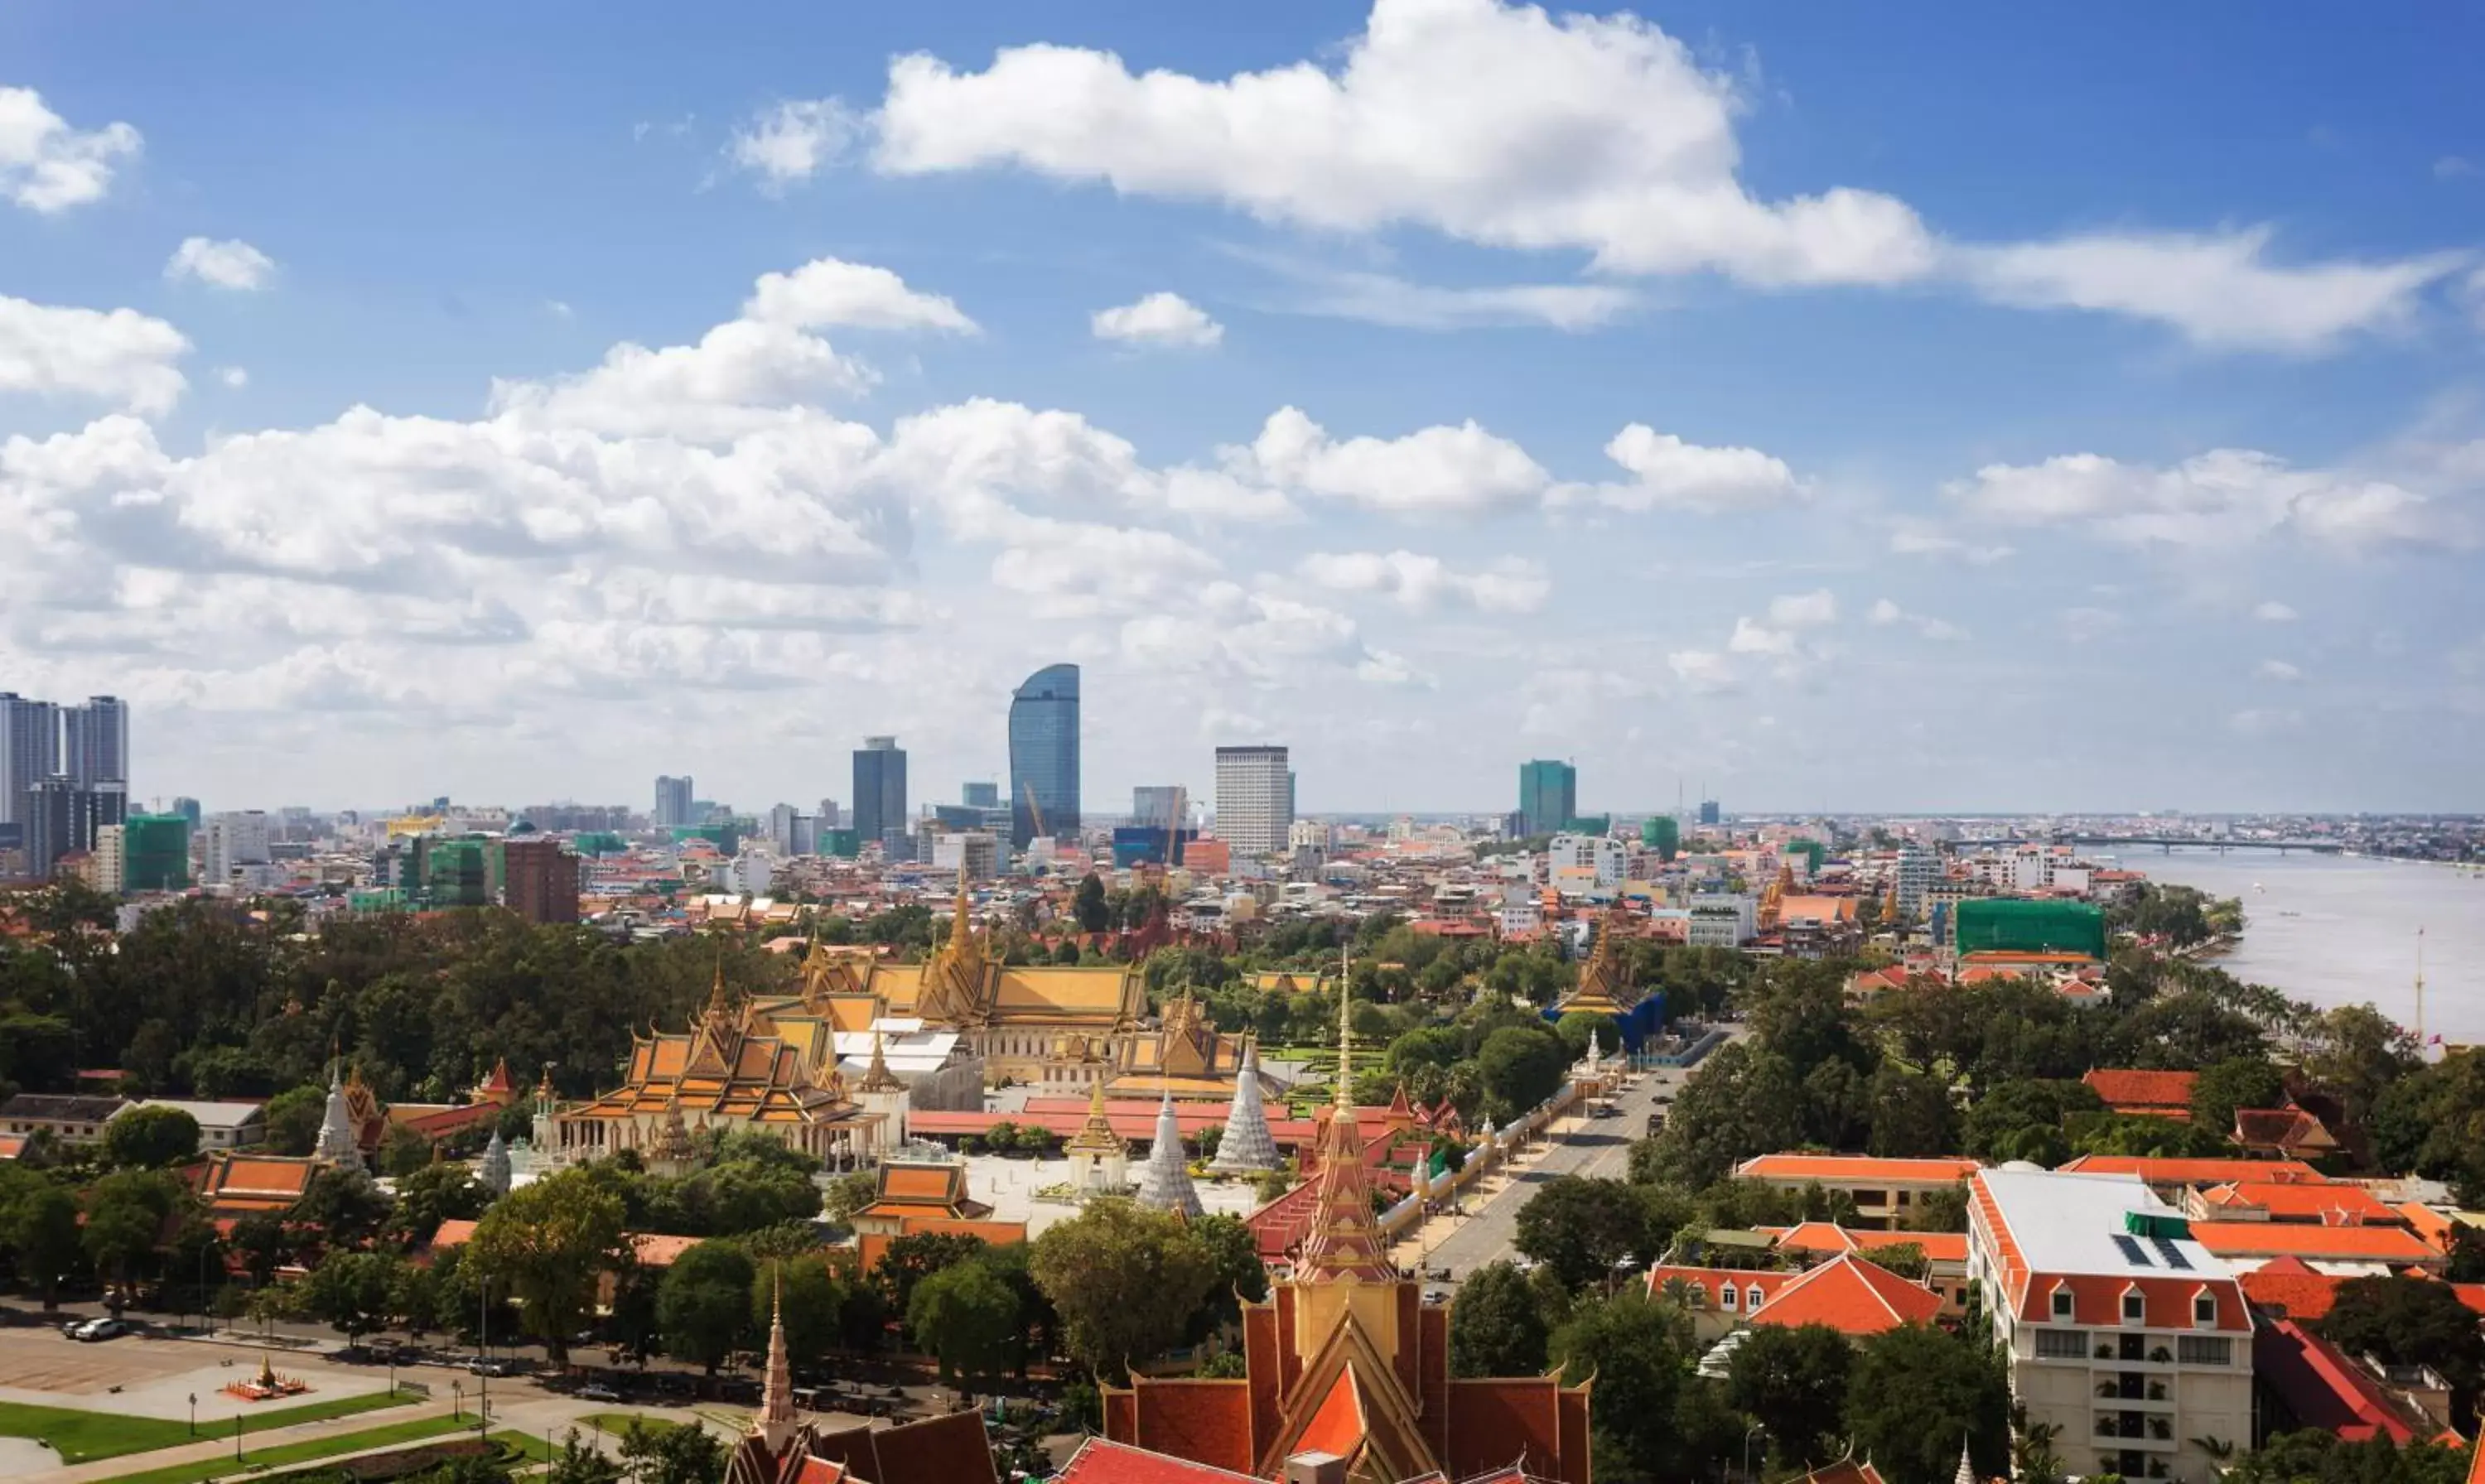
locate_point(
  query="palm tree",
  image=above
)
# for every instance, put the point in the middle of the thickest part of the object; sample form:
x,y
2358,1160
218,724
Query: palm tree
x,y
2032,1459
2221,1452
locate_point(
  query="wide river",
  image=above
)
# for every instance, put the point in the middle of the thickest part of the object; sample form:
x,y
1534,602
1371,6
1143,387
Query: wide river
x,y
2337,930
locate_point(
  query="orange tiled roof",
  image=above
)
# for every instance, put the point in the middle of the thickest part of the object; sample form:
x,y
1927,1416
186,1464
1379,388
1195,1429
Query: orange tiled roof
x,y
2335,1205
1851,1296
2288,1287
2351,1244
1822,1236
2171,1170
1850,1169
1206,1421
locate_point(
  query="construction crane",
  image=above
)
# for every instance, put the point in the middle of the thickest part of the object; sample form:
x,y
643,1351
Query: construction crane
x,y
1034,811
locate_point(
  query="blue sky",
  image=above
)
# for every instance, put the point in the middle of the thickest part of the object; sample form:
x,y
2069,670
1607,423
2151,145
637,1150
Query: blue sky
x,y
1946,409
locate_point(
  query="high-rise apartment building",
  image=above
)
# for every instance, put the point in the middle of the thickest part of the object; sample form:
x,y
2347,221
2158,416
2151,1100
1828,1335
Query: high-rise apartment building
x,y
539,880
95,741
1548,795
880,792
234,840
1709,811
107,863
980,795
1043,756
674,803
1255,798
831,816
191,810
46,824
30,751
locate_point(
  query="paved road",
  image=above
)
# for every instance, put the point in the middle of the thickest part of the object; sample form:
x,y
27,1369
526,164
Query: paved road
x,y
1595,1148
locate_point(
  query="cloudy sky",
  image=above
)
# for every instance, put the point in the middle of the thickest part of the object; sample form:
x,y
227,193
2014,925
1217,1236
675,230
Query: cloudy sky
x,y
1948,407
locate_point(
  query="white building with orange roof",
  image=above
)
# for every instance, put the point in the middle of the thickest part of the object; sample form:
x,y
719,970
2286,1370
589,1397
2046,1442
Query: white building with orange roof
x,y
1885,1190
2121,1330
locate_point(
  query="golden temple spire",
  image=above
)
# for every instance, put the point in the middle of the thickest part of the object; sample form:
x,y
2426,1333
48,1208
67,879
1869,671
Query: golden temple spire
x,y
719,1005
877,1077
1345,1028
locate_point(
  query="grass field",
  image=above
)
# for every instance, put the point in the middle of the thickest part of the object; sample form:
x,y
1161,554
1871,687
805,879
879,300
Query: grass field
x,y
82,1437
618,1422
222,1464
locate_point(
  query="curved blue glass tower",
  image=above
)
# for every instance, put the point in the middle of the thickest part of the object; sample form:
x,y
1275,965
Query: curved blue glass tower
x,y
1044,755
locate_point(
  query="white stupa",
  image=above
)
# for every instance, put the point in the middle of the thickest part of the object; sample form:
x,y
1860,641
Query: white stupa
x,y
335,1143
494,1171
1247,1147
1164,1180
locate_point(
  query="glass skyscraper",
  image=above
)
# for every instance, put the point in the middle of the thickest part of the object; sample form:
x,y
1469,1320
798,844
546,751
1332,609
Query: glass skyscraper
x,y
880,792
1044,755
1548,797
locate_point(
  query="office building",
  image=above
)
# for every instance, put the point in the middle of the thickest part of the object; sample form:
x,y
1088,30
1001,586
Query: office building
x,y
2123,1335
233,841
674,803
95,741
1548,795
46,825
1255,797
156,852
880,792
1043,756
1159,804
981,796
979,853
190,809
781,822
539,880
1708,812
30,751
831,818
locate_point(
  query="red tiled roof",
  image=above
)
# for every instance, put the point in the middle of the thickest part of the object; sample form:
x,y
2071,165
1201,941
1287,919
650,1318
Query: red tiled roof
x,y
1098,1461
2323,1388
1823,1236
1846,1470
1205,1420
2126,1091
1851,1296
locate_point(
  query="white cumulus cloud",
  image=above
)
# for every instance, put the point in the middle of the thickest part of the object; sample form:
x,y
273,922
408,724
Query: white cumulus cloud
x,y
1433,470
232,263
2272,612
2223,496
118,356
1157,319
1426,582
831,291
2279,670
792,141
1669,472
46,165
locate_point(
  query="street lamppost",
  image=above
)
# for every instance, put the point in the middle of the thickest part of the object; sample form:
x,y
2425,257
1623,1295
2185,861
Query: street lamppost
x,y
194,1413
1757,1429
456,1401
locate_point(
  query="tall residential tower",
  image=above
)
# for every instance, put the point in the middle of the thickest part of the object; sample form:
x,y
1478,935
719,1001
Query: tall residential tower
x,y
880,790
1255,799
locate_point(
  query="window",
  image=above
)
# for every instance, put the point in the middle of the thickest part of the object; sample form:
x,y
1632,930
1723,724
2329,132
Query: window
x,y
2061,1303
1752,1297
2204,1311
2205,1349
2135,1309
1727,1296
2061,1344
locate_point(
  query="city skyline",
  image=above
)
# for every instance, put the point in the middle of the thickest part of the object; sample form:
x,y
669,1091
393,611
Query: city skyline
x,y
1829,405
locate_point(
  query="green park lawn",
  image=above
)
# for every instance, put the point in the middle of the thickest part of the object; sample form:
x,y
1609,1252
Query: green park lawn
x,y
618,1422
82,1437
221,1465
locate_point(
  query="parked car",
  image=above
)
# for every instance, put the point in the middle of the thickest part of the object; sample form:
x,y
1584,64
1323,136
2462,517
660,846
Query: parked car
x,y
101,1329
598,1392
482,1366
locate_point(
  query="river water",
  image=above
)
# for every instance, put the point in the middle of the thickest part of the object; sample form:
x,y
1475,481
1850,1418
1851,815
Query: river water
x,y
2337,930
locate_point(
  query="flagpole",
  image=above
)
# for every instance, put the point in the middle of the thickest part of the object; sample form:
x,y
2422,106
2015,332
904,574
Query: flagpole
x,y
2419,994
